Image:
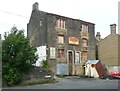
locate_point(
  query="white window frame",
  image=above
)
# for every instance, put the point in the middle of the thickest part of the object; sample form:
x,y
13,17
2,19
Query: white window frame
x,y
52,52
61,23
77,61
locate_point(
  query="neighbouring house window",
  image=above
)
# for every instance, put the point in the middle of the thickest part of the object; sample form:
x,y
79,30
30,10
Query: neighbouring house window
x,y
60,53
77,58
52,52
84,28
61,23
60,39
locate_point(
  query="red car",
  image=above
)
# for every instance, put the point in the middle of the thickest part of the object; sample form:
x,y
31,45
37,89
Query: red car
x,y
115,74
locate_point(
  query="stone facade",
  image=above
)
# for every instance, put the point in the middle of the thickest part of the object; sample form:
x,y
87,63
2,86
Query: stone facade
x,y
70,42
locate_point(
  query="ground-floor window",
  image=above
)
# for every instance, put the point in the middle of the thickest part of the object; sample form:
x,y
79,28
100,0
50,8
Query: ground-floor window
x,y
60,53
77,58
52,52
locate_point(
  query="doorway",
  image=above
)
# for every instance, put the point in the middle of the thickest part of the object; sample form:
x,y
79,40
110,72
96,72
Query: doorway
x,y
70,60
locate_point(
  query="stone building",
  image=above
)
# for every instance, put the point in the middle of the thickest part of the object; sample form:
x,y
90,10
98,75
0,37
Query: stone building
x,y
66,43
108,50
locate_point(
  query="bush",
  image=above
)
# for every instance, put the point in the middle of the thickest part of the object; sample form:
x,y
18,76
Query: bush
x,y
17,56
13,77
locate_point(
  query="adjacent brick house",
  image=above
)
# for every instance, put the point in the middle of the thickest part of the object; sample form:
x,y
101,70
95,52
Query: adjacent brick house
x,y
67,43
108,50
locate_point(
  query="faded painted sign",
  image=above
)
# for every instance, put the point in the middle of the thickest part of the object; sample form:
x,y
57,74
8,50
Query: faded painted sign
x,y
73,40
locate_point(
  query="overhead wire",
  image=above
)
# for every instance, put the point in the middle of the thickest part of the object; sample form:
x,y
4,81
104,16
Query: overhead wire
x,y
7,12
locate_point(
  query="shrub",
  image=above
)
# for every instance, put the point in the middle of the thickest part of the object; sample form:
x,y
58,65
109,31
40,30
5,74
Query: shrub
x,y
17,56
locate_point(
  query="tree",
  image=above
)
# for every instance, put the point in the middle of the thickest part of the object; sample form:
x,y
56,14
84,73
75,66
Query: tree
x,y
17,56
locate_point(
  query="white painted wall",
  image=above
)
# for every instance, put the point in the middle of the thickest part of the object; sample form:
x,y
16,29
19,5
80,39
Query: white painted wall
x,y
114,68
41,51
91,71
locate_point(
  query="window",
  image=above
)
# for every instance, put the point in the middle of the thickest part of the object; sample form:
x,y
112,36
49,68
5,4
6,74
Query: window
x,y
60,53
84,28
60,39
40,22
84,56
52,52
61,23
84,42
77,58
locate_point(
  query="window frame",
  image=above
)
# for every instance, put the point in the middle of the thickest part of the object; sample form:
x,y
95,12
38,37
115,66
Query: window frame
x,y
61,53
60,39
60,23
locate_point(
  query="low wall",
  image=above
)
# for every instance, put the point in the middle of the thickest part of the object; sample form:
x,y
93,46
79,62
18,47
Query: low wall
x,y
36,74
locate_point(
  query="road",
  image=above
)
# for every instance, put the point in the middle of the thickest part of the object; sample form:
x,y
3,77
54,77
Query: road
x,y
75,83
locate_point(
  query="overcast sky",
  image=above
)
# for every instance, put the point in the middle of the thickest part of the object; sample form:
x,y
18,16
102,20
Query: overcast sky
x,y
101,12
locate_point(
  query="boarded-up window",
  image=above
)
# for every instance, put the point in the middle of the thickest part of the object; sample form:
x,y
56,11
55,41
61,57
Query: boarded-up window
x,y
52,53
60,39
60,53
84,56
61,69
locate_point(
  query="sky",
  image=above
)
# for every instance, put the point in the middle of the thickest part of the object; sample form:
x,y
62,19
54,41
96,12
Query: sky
x,y
100,12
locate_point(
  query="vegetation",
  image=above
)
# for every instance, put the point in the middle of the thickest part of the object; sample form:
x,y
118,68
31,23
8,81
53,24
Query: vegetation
x,y
17,56
45,64
40,82
60,76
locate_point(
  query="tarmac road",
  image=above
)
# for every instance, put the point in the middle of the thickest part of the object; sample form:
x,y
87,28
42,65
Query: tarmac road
x,y
75,83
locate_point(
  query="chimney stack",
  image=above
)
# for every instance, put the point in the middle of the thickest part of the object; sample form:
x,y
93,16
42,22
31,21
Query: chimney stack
x,y
113,28
98,36
35,6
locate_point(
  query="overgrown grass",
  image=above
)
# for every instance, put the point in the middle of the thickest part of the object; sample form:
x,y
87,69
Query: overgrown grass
x,y
60,76
38,82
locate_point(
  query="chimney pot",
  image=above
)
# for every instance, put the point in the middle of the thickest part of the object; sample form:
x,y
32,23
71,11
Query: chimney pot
x,y
113,28
98,36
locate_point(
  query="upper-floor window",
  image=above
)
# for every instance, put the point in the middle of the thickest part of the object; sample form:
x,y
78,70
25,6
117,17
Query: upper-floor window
x,y
84,28
40,22
60,39
84,42
60,23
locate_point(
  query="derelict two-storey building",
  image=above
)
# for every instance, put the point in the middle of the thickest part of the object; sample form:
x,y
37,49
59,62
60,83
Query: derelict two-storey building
x,y
66,43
